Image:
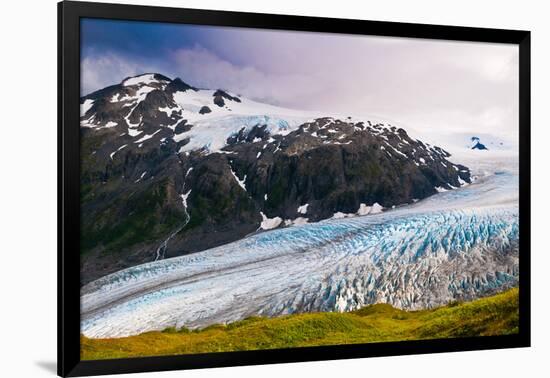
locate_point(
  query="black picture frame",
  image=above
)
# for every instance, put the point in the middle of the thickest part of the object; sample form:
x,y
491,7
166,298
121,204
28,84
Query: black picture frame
x,y
69,14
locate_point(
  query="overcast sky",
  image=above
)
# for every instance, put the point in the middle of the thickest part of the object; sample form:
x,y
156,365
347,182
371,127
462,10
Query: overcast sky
x,y
459,87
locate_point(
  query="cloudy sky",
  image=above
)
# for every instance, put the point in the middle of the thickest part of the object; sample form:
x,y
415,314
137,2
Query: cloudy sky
x,y
459,87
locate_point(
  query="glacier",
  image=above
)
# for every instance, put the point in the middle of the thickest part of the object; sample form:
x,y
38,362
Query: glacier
x,y
456,245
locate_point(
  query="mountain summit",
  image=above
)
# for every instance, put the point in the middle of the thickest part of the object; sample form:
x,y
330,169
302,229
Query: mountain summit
x,y
477,145
169,169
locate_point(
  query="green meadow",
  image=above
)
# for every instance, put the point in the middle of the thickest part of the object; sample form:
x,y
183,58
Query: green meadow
x,y
495,315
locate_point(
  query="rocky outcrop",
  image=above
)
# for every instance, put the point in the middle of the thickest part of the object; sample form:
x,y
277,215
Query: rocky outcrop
x,y
205,110
220,95
477,145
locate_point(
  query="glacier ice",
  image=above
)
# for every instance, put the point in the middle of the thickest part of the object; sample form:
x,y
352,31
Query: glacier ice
x,y
458,244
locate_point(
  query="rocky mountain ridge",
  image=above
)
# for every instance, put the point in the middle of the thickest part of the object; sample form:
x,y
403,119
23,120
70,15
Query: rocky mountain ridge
x,y
168,169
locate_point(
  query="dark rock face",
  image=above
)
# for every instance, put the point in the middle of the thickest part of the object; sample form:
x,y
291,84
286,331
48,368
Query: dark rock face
x,y
218,100
138,189
255,134
205,110
227,96
182,127
222,212
177,85
220,95
335,166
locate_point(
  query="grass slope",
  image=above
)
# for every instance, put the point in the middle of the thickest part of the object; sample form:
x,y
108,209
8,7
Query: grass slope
x,y
496,315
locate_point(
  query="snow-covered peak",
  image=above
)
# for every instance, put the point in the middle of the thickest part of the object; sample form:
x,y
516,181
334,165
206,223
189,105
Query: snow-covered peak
x,y
215,121
144,79
207,120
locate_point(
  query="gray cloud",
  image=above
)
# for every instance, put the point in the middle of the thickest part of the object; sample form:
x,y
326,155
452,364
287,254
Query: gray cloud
x,y
427,84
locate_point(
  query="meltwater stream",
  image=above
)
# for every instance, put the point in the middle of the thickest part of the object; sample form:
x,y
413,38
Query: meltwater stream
x,y
459,244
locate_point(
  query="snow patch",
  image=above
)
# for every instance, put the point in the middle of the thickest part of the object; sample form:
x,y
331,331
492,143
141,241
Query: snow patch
x,y
141,79
184,198
303,209
146,137
269,223
134,132
376,208
462,182
167,110
120,148
239,181
363,209
141,177
296,222
340,215
85,107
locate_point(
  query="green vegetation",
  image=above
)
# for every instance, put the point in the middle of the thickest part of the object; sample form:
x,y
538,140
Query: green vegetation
x,y
496,315
150,218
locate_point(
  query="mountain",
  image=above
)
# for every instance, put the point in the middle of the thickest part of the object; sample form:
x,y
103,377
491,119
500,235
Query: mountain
x,y
477,145
168,169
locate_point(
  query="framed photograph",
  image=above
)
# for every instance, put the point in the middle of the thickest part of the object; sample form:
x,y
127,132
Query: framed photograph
x,y
239,188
